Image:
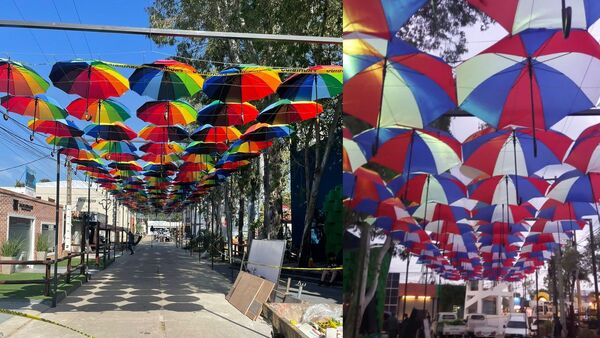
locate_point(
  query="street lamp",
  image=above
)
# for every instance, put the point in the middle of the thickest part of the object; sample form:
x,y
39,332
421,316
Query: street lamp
x,y
105,203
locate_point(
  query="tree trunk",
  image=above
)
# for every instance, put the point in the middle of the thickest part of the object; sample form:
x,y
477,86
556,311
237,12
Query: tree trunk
x,y
267,191
314,190
229,219
353,317
241,227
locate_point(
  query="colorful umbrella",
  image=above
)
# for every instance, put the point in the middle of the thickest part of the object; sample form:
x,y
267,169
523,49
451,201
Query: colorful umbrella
x,y
166,80
242,83
286,112
502,189
133,166
219,113
380,76
520,15
18,79
423,188
167,113
160,158
161,148
89,79
353,156
40,107
197,158
318,82
111,132
199,147
365,189
266,132
208,133
542,225
536,71
575,187
382,18
504,213
60,128
98,111
163,134
585,154
553,210
121,151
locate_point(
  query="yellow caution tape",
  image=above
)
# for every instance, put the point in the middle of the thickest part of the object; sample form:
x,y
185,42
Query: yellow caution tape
x,y
34,317
294,268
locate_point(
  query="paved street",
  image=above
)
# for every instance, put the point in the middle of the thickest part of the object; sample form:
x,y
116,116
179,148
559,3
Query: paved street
x,y
158,292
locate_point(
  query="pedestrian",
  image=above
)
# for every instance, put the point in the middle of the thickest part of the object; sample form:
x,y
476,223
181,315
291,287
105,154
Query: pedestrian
x,y
130,241
557,327
391,324
331,263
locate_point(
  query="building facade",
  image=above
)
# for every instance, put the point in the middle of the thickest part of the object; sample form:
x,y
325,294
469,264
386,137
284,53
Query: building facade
x,y
26,218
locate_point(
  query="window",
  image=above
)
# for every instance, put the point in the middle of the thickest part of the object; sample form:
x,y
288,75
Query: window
x,y
48,232
516,325
391,293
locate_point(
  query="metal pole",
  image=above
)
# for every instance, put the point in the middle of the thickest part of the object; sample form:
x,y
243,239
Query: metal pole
x,y
56,220
169,32
537,305
593,248
405,286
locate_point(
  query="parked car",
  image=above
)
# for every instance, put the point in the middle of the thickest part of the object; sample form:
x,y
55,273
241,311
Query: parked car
x,y
478,326
516,326
447,324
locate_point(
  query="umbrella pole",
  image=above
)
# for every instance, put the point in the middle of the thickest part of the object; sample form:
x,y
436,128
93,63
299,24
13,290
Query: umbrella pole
x,y
405,286
530,72
8,90
56,220
426,267
384,71
410,151
518,198
537,305
35,107
594,254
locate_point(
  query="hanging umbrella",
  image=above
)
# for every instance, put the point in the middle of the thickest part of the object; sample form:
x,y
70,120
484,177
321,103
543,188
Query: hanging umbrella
x,y
318,82
364,189
161,148
266,132
166,167
120,151
585,153
74,147
249,147
433,211
286,112
133,166
219,113
163,134
19,79
158,158
60,128
197,158
233,165
166,80
242,83
553,210
380,18
575,187
353,156
40,107
502,189
167,113
405,150
536,71
187,166
209,133
199,147
91,79
545,226
111,132
423,188
98,111
504,213
505,152
520,15
382,75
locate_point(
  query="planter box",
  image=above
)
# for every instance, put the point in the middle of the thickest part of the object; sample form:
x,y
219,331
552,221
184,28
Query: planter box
x,y
40,255
7,269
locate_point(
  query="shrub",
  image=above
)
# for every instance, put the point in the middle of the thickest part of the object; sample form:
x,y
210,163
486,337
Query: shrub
x,y
11,247
41,244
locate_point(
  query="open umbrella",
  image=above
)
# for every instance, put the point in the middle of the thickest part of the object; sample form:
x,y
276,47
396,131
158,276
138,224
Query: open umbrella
x,y
318,82
19,79
161,148
266,132
40,107
502,189
219,113
91,79
381,18
160,158
98,111
286,112
423,188
167,113
353,156
121,151
199,147
575,187
585,153
242,83
163,134
209,133
60,128
166,80
112,132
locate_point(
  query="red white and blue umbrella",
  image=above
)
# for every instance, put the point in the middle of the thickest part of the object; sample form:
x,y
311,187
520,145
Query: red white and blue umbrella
x,y
504,213
381,18
422,188
575,187
364,189
585,154
542,225
556,211
502,189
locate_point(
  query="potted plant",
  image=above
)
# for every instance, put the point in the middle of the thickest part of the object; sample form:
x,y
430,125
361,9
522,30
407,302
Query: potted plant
x,y
9,250
41,247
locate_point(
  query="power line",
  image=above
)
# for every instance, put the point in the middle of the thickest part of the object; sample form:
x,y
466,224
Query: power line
x,y
84,35
66,34
24,164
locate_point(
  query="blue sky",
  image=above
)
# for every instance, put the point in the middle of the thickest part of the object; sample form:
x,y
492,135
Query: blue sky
x,y
42,48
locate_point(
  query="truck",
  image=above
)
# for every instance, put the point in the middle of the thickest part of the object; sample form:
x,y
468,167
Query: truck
x,y
479,327
447,325
516,326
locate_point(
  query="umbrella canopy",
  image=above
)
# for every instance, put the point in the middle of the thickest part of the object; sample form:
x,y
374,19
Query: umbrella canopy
x,y
519,15
242,83
406,150
319,82
167,113
188,166
553,210
19,79
60,128
112,132
208,133
160,158
423,188
69,142
219,113
161,148
502,189
353,156
379,18
585,154
199,147
166,80
504,213
266,132
249,147
505,152
163,134
575,187
121,151
380,76
365,189
40,107
133,166
286,112
542,225
558,74
98,111
91,79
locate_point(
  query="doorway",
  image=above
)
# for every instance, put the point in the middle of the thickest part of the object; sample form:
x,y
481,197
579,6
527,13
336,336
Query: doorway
x,y
22,228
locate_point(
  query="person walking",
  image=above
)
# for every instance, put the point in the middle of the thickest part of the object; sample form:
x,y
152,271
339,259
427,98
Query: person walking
x,y
130,241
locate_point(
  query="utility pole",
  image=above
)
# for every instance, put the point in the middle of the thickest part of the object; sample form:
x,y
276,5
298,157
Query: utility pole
x,y
593,249
105,203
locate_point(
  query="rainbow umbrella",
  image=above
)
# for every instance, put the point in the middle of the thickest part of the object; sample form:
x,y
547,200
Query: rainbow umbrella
x,y
585,153
219,113
98,111
40,107
197,158
242,83
266,132
74,147
533,71
209,133
160,158
120,151
131,165
318,82
91,79
286,112
235,165
188,167
60,128
163,134
18,79
382,18
520,15
111,132
249,147
167,113
161,148
382,75
199,147
166,80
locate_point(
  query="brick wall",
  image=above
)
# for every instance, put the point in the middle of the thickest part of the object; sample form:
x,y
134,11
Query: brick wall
x,y
42,212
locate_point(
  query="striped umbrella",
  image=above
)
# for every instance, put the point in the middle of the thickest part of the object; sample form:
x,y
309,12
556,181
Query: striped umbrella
x,y
502,189
161,148
266,132
98,111
91,79
242,83
585,153
19,79
318,82
40,107
60,128
208,133
219,113
286,112
112,132
163,134
575,187
167,113
166,80
382,18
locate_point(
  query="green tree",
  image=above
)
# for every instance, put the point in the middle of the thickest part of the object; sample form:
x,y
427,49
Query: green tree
x,y
19,184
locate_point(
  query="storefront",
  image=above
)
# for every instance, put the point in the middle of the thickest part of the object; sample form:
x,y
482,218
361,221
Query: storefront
x,y
26,218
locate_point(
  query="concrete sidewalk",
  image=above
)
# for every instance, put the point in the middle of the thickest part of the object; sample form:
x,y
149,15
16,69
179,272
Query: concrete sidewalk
x,y
158,292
